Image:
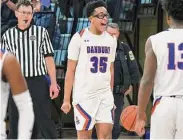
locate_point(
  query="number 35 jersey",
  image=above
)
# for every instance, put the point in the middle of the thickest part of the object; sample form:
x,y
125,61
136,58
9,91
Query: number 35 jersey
x,y
168,48
94,54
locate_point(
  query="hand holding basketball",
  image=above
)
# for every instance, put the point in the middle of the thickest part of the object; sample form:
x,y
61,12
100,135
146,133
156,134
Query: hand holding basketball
x,y
140,127
66,107
129,116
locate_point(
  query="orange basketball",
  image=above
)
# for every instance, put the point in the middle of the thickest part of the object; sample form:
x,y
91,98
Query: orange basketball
x,y
128,117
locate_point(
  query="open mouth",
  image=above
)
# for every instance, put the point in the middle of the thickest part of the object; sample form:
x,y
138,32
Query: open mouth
x,y
25,21
103,24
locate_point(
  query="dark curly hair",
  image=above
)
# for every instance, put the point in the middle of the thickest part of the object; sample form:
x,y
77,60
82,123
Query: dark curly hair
x,y
90,7
174,8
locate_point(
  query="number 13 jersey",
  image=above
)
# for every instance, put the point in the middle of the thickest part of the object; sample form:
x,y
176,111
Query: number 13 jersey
x,y
94,54
168,48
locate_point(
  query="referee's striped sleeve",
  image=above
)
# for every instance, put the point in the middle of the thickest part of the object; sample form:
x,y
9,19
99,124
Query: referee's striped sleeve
x,y
47,46
4,43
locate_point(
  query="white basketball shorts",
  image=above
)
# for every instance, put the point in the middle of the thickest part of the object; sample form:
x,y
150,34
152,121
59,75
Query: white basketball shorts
x,y
94,110
167,118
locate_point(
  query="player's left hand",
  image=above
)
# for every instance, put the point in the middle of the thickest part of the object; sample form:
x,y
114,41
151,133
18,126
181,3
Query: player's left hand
x,y
54,91
129,90
140,127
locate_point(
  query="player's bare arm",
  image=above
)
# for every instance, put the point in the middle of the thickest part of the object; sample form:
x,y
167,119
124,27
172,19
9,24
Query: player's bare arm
x,y
147,80
21,96
69,79
146,86
112,75
12,73
54,91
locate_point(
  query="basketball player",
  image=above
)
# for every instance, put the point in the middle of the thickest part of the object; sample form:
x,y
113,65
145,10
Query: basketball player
x,y
163,69
10,71
91,54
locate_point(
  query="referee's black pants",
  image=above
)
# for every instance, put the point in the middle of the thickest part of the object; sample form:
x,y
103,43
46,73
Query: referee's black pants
x,y
44,127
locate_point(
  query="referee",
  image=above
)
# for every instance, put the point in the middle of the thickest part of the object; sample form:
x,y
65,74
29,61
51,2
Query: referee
x,y
32,47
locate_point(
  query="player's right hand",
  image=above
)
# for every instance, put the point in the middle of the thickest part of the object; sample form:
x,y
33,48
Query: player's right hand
x,y
140,127
66,107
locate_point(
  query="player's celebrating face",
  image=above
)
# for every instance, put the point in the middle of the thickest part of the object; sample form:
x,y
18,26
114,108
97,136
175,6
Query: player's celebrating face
x,y
98,16
99,19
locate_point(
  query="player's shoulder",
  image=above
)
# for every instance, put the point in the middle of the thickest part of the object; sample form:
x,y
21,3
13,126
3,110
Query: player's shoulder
x,y
110,38
160,34
77,35
81,33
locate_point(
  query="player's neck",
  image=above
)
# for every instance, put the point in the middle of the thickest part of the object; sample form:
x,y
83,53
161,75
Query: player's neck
x,y
94,31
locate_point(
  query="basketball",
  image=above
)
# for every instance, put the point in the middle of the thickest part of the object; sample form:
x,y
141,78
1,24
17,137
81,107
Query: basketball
x,y
128,117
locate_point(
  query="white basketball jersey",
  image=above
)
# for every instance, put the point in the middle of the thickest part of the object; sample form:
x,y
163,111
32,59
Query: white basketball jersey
x,y
94,54
168,48
4,96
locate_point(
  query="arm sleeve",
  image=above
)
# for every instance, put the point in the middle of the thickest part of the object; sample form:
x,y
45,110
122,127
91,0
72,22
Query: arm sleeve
x,y
47,46
24,105
114,49
132,65
74,47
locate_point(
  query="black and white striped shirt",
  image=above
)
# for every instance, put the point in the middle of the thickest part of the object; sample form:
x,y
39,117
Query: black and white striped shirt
x,y
30,46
